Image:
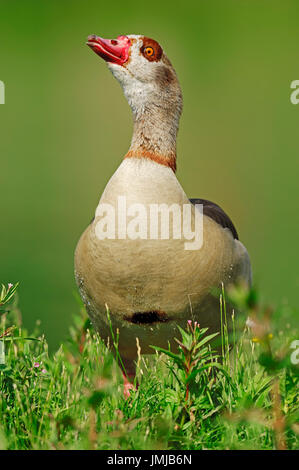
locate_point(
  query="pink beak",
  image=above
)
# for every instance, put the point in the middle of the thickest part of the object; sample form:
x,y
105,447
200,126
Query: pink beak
x,y
111,50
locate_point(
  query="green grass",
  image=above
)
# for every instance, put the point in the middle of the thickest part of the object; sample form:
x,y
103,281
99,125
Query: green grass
x,y
245,399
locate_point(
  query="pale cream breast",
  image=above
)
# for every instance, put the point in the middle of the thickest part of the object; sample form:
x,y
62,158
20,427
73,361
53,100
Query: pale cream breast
x,y
154,275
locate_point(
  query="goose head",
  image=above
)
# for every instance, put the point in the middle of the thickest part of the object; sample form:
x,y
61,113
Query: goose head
x,y
152,89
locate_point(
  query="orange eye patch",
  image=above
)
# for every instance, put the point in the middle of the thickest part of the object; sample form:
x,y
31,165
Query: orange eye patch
x,y
151,50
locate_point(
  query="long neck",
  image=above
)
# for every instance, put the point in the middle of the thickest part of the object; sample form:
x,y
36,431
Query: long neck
x,y
155,130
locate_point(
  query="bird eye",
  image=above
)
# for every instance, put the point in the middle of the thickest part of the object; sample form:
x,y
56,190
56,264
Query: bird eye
x,y
149,51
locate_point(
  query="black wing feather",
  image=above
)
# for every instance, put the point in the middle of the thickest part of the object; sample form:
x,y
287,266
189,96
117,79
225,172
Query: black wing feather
x,y
215,212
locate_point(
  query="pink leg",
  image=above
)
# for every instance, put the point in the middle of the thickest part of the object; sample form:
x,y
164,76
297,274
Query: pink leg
x,y
128,376
127,386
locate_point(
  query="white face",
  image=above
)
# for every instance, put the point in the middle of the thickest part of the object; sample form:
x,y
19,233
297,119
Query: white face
x,y
140,65
138,76
142,69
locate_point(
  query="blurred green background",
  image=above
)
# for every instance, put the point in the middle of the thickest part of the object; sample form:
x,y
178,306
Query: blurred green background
x,y
66,125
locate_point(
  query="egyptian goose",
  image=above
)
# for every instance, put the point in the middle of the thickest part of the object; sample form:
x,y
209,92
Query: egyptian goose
x,y
151,284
